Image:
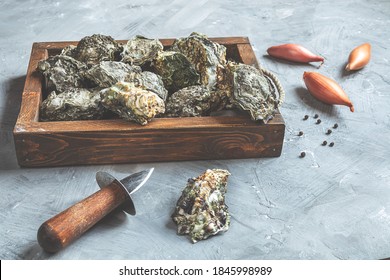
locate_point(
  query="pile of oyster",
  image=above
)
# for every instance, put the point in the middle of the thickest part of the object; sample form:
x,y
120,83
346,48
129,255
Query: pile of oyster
x,y
140,80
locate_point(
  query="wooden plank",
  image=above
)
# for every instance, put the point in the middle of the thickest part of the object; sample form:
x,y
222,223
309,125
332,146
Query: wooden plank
x,y
98,147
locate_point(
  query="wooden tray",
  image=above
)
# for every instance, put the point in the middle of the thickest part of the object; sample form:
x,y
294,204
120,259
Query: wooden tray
x,y
118,141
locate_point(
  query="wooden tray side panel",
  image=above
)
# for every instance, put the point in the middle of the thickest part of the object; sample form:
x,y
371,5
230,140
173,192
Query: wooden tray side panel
x,y
67,148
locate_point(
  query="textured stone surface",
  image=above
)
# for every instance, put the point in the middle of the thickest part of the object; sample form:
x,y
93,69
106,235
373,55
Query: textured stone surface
x,y
332,204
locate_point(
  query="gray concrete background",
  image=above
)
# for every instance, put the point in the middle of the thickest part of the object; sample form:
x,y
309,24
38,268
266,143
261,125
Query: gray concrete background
x,y
332,204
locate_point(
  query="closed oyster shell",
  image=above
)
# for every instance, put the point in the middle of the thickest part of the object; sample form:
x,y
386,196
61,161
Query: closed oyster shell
x,y
132,102
72,104
108,73
96,48
69,51
62,72
191,101
149,81
252,91
176,70
201,210
205,55
140,50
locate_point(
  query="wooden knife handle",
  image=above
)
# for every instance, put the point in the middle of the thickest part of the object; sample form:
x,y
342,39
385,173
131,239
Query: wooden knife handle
x,y
59,231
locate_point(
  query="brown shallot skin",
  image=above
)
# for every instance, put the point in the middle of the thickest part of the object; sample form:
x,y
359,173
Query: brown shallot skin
x,y
359,57
295,53
326,89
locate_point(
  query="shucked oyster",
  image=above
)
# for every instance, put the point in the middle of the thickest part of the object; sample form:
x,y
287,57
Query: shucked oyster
x,y
205,55
252,91
96,48
72,104
62,72
176,71
149,81
190,102
132,102
108,73
201,210
139,50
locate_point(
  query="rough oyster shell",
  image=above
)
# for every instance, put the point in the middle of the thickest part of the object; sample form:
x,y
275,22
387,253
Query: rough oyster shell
x,y
96,48
205,55
149,81
69,51
176,70
72,104
201,210
108,73
62,72
140,50
132,102
251,91
191,101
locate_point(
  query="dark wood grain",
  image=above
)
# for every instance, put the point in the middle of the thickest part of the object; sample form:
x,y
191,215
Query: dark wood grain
x,y
118,141
61,230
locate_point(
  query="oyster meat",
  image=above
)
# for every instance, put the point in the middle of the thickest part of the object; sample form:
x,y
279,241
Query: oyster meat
x,y
201,210
96,48
140,50
207,56
132,103
108,73
62,72
191,101
252,91
176,70
72,104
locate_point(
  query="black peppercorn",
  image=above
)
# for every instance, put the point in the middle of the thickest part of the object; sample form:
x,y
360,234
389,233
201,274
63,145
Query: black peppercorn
x,y
331,144
329,131
318,121
300,133
335,125
324,143
303,154
305,117
316,116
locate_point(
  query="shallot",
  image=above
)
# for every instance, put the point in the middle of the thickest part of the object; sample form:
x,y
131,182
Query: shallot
x,y
359,57
326,89
294,52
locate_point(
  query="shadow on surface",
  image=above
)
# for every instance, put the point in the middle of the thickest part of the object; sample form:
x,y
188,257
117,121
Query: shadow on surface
x,y
35,252
344,73
310,101
12,100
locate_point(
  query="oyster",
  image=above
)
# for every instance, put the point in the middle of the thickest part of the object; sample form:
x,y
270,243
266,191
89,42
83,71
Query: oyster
x,y
201,210
96,48
190,102
72,104
205,55
176,71
253,92
132,102
149,81
108,73
69,51
140,50
62,72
